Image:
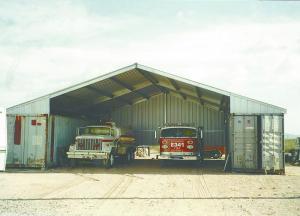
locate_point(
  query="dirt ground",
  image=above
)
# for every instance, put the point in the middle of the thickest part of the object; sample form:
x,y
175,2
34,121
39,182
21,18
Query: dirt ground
x,y
147,188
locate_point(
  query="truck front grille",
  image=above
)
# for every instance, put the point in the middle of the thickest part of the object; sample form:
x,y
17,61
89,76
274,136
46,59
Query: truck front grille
x,y
88,144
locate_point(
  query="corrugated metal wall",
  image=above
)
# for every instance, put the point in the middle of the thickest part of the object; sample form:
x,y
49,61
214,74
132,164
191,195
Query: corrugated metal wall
x,y
63,135
256,142
239,104
272,142
34,139
244,142
145,117
30,152
36,107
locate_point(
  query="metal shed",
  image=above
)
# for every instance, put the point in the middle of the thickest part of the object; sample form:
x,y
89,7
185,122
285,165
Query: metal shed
x,y
135,96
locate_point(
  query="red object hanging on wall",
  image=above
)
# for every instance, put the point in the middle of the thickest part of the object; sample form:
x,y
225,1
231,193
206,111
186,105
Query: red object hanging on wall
x,y
18,125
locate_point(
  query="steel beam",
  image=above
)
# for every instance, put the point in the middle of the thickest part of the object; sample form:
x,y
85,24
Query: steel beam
x,y
152,80
100,91
129,87
177,88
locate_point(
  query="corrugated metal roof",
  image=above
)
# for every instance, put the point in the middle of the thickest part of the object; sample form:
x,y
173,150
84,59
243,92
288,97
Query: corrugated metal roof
x,y
137,82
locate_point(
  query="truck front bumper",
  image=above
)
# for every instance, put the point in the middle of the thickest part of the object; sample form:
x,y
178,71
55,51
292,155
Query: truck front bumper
x,y
87,155
178,157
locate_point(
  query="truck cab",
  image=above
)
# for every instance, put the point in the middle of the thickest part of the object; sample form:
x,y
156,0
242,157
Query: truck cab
x,y
181,143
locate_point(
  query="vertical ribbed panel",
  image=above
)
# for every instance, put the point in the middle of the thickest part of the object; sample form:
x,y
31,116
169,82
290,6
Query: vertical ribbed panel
x,y
64,135
37,107
145,117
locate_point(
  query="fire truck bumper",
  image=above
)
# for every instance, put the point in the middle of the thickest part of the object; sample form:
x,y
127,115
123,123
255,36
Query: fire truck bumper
x,y
178,157
87,155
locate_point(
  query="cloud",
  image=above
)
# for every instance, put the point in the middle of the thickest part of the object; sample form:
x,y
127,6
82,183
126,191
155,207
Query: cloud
x,y
63,43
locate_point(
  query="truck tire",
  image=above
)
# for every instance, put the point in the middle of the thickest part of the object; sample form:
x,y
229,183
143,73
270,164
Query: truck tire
x,y
215,154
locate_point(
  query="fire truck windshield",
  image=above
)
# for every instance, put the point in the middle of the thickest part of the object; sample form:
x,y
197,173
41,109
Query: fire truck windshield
x,y
179,132
96,131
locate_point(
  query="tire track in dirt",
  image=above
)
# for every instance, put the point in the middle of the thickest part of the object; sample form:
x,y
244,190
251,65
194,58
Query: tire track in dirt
x,y
128,181
200,185
114,188
63,187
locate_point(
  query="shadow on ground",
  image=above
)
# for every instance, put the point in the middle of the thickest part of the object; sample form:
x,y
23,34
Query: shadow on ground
x,y
214,167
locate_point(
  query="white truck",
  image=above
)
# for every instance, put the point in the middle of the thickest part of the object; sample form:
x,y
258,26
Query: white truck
x,y
104,142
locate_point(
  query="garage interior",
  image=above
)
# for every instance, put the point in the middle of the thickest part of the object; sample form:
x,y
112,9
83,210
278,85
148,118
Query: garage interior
x,y
143,101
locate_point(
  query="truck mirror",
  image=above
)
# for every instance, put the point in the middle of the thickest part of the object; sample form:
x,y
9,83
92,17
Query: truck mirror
x,y
155,135
200,129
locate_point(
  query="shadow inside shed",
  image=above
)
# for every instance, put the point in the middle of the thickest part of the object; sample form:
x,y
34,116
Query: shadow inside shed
x,y
144,101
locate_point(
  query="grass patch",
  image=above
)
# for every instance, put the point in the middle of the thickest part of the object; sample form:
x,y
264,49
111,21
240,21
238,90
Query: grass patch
x,y
290,145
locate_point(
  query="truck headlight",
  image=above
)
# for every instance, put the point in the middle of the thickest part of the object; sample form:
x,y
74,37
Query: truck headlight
x,y
164,146
190,146
72,147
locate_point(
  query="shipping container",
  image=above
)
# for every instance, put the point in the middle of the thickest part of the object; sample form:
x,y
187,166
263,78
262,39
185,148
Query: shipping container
x,y
27,140
256,143
3,139
39,141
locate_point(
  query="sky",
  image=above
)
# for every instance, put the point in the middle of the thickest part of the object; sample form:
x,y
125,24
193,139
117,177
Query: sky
x,y
247,47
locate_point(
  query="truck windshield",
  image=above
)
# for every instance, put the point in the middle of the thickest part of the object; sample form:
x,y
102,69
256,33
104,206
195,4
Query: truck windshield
x,y
179,132
95,131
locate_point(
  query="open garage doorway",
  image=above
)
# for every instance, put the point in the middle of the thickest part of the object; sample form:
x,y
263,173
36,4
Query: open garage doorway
x,y
143,101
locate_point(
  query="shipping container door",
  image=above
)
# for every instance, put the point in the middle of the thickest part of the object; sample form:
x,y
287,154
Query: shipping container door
x,y
15,151
29,149
245,142
35,141
272,142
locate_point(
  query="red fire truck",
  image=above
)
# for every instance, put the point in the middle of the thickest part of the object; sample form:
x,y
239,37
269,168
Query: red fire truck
x,y
181,143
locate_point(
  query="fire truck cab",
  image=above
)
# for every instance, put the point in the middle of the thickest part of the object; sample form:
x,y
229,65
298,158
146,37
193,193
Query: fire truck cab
x,y
181,143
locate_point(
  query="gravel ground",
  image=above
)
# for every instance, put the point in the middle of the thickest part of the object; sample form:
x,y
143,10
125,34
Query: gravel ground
x,y
147,188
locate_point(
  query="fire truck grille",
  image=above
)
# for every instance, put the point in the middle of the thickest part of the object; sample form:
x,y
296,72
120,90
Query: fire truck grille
x,y
88,144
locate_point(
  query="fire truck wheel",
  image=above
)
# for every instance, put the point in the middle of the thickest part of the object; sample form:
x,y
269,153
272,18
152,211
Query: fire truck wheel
x,y
216,154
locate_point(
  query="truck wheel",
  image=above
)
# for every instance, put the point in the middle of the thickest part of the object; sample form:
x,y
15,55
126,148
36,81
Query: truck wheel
x,y
215,154
110,161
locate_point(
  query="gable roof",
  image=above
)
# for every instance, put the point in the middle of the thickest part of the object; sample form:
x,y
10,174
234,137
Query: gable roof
x,y
137,82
